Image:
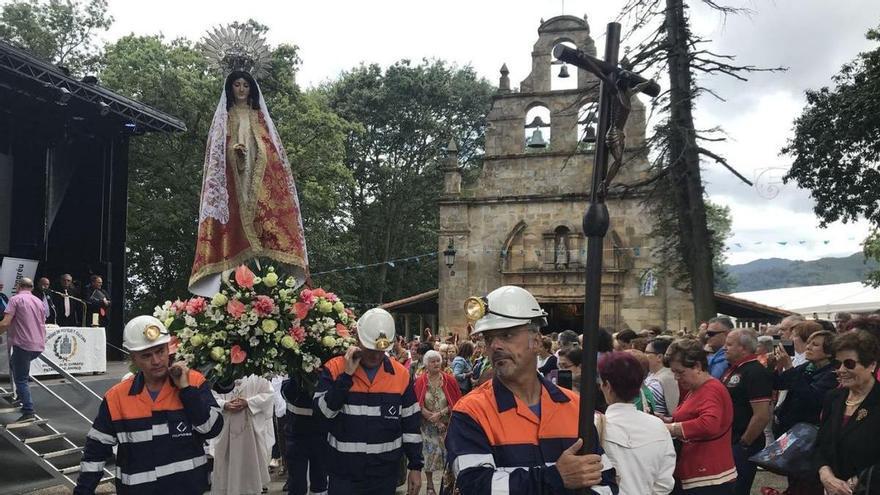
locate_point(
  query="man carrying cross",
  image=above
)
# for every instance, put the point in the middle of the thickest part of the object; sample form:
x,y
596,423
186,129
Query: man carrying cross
x,y
500,429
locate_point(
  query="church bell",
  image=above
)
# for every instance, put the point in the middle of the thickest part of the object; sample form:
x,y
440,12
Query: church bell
x,y
563,72
537,140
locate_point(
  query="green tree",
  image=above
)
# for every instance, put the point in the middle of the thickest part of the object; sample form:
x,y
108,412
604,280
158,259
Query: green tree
x,y
836,147
719,222
407,114
61,32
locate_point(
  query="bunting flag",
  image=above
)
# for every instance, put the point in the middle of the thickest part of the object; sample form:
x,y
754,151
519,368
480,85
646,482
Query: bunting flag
x,y
539,253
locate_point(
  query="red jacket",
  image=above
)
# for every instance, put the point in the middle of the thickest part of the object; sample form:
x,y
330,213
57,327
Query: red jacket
x,y
706,416
450,389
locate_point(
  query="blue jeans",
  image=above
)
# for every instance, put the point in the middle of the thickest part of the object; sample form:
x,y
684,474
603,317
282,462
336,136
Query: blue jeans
x,y
20,364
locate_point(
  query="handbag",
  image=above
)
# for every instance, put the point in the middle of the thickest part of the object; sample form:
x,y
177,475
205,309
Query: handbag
x,y
791,454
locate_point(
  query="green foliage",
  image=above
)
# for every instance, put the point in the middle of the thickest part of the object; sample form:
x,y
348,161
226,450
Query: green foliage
x,y
719,222
58,31
836,147
407,115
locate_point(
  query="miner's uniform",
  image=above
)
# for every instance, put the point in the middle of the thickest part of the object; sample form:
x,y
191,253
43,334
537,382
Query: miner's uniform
x,y
306,437
160,443
496,443
373,421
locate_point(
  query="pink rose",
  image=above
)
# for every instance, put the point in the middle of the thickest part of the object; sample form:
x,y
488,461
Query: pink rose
x,y
264,306
235,308
301,310
342,330
178,306
308,297
298,334
331,297
244,277
195,306
237,355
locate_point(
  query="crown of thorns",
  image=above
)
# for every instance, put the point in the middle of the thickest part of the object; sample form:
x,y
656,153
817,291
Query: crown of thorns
x,y
236,47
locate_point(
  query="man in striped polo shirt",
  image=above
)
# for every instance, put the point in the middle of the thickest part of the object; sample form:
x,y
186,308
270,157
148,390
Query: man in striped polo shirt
x,y
374,417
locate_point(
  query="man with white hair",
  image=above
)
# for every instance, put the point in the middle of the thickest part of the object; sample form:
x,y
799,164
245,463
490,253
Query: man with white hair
x,y
751,387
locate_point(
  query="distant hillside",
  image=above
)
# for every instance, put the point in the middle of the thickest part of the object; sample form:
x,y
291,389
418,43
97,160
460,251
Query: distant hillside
x,y
775,273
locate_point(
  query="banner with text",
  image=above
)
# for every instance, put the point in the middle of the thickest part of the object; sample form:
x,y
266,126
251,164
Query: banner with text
x,y
12,270
75,350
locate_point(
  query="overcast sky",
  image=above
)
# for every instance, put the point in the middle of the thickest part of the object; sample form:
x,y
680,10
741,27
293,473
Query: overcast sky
x,y
813,38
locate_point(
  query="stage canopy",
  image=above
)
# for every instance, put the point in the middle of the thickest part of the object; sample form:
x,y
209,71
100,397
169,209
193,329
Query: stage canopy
x,y
64,171
823,300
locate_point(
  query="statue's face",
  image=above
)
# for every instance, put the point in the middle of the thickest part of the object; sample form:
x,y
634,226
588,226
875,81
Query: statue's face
x,y
241,89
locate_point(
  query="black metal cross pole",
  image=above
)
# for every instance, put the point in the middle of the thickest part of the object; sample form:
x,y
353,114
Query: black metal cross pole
x,y
612,79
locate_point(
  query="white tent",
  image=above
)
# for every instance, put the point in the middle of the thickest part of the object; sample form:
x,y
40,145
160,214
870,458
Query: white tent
x,y
824,300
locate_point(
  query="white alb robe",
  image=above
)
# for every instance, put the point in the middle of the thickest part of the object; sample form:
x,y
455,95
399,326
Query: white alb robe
x,y
243,449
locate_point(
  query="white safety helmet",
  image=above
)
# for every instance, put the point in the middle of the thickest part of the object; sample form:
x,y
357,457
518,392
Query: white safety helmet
x,y
504,307
375,329
143,332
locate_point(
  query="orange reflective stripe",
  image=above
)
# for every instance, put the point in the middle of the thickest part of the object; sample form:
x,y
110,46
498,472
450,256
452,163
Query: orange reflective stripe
x,y
518,426
125,406
383,382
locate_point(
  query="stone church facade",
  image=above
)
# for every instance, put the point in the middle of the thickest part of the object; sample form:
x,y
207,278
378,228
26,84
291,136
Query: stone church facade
x,y
519,223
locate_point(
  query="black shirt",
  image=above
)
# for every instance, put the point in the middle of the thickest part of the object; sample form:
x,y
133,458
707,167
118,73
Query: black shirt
x,y
748,382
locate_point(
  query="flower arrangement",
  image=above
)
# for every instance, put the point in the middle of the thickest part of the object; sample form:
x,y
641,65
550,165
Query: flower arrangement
x,y
259,324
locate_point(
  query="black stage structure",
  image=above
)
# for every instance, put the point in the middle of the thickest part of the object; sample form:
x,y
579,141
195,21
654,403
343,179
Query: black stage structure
x,y
64,172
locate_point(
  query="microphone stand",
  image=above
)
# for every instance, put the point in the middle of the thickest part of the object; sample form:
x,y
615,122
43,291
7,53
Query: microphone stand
x,y
84,305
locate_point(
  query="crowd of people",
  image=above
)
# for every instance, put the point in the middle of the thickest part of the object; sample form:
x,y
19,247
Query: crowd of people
x,y
68,303
495,412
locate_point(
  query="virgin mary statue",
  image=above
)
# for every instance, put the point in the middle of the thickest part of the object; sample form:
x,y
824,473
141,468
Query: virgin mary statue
x,y
249,207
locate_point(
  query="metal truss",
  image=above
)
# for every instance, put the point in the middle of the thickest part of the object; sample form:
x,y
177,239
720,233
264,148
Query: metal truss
x,y
18,62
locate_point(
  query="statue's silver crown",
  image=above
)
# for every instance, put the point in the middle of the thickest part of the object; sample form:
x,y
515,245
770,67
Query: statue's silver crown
x,y
236,47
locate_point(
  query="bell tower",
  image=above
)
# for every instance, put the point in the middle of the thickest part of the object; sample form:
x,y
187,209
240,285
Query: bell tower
x,y
519,223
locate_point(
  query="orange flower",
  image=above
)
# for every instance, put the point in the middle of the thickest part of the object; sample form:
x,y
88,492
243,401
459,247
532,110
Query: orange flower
x,y
235,308
301,310
244,277
319,292
237,355
342,330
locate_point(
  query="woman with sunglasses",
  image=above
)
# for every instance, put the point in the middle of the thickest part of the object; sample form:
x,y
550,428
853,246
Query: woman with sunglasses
x,y
701,424
847,441
807,385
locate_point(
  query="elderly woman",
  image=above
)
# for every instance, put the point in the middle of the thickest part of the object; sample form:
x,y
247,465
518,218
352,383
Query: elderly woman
x,y
437,393
847,441
702,423
807,385
638,444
